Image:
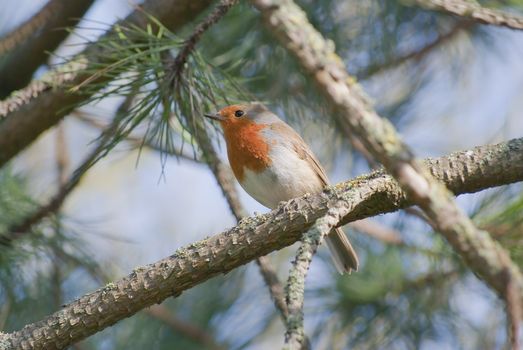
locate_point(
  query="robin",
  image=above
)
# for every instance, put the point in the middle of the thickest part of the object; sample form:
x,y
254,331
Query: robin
x,y
273,164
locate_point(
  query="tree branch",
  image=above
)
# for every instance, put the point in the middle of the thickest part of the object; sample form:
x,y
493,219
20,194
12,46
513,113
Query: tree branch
x,y
25,49
365,196
356,116
474,11
295,337
31,111
159,312
513,312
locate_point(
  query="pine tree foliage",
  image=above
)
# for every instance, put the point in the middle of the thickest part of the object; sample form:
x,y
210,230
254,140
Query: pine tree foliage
x,y
409,295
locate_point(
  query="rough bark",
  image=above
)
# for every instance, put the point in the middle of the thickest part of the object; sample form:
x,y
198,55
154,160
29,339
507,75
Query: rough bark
x,y
295,338
26,48
365,196
29,112
356,116
470,9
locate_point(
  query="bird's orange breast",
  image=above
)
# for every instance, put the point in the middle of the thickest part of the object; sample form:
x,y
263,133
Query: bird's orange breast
x,y
246,147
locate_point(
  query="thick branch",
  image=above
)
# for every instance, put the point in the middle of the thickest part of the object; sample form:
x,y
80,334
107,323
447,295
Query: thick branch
x,y
25,48
356,116
31,111
365,196
470,9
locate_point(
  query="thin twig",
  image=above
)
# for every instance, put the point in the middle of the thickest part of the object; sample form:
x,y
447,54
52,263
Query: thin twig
x,y
514,312
419,54
270,277
62,166
414,211
138,142
295,337
178,65
5,309
191,331
377,231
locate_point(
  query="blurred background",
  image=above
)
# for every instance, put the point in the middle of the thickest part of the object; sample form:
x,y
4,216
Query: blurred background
x,y
446,83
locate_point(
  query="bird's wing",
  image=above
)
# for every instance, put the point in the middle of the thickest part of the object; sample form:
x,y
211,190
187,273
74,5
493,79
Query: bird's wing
x,y
302,150
305,153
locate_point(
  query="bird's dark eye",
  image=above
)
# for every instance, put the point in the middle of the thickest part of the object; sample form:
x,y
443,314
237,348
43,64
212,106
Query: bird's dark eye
x,y
238,113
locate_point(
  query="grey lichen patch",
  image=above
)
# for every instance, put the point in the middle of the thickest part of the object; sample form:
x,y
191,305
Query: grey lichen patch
x,y
251,223
5,344
109,286
181,253
247,221
199,244
139,269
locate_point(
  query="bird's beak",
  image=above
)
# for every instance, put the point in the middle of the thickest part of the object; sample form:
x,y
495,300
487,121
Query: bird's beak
x,y
215,116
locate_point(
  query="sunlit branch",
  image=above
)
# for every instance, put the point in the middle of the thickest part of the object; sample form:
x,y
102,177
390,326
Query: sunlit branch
x,y
471,9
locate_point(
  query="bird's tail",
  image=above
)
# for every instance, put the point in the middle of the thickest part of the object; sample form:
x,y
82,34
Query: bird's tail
x,y
342,253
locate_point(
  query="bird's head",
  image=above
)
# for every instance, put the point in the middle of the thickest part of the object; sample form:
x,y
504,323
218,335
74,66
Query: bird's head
x,y
243,115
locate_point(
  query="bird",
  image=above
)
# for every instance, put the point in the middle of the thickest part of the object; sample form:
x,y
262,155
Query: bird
x,y
273,164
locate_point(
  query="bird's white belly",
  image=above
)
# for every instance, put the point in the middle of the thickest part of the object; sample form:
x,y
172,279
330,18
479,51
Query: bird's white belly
x,y
287,177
